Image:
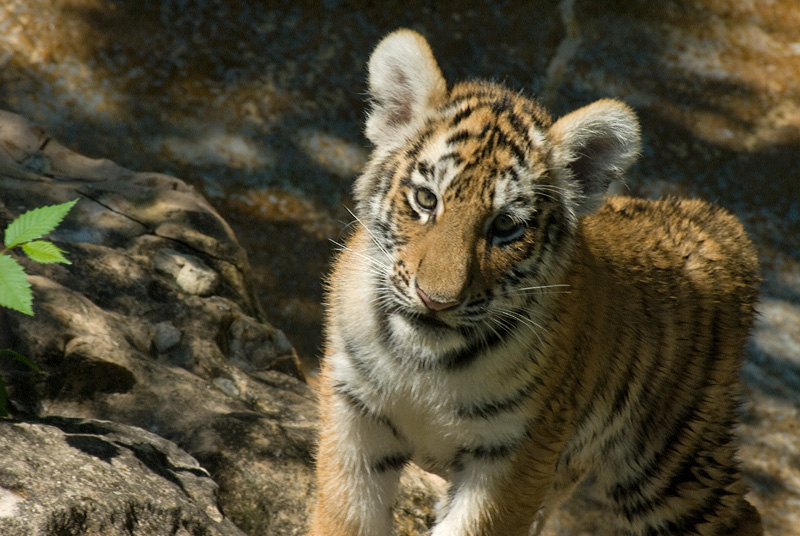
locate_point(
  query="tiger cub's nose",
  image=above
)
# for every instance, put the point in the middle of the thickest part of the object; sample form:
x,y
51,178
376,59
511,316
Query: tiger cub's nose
x,y
434,305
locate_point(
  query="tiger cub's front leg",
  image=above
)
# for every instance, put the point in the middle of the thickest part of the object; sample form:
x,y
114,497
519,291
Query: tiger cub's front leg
x,y
359,461
494,490
487,498
503,491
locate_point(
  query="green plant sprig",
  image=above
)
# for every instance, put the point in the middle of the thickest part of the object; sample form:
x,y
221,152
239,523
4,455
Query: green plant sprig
x,y
25,233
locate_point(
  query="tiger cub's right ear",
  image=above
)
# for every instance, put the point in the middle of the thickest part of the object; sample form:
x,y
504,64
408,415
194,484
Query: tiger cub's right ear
x,y
404,81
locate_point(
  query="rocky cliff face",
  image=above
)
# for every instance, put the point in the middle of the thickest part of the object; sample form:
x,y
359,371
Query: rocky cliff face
x,y
260,110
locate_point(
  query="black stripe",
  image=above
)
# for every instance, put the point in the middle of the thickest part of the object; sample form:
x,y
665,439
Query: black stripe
x,y
489,452
422,138
394,462
487,410
687,523
383,229
405,181
460,359
686,389
514,177
640,376
647,379
461,115
501,139
517,124
483,96
477,342
502,105
382,313
381,179
695,468
601,381
493,137
455,157
459,136
457,360
365,411
360,363
625,491
555,230
486,94
478,453
424,169
359,405
631,501
671,445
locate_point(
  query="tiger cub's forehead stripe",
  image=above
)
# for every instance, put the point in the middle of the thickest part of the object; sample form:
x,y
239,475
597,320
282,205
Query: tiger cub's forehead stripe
x,y
462,114
519,111
483,124
484,133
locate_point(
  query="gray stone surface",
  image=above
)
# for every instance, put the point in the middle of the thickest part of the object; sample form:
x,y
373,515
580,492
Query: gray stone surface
x,y
77,476
190,273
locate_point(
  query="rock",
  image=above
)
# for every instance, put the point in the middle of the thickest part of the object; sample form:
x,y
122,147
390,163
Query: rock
x,y
252,347
165,337
82,476
191,274
121,335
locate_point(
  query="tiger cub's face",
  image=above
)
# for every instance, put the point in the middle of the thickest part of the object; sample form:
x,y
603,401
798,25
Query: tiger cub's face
x,y
472,195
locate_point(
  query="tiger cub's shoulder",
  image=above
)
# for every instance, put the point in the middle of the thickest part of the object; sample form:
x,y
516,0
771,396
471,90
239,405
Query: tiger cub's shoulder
x,y
679,228
669,242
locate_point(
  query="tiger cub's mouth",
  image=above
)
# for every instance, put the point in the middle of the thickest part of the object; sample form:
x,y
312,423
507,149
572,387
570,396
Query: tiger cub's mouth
x,y
423,319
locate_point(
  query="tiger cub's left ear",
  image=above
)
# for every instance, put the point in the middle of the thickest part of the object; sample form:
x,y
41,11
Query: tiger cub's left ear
x,y
404,81
595,145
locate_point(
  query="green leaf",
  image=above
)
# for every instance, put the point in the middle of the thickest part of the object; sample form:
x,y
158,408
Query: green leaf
x,y
15,291
36,223
44,252
7,352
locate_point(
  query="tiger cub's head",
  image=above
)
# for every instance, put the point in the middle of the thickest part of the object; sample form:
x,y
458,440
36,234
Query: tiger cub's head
x,y
472,194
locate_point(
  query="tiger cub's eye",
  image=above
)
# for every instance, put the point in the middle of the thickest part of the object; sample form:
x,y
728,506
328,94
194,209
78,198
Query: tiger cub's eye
x,y
505,228
425,199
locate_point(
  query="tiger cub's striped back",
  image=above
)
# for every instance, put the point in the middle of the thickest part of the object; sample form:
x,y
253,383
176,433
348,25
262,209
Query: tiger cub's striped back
x,y
496,320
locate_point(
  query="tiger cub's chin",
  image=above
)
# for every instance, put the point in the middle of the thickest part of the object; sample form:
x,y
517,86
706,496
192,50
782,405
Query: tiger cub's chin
x,y
424,333
498,316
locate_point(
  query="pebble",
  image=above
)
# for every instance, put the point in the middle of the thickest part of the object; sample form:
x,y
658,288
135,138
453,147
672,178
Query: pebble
x,y
191,274
165,336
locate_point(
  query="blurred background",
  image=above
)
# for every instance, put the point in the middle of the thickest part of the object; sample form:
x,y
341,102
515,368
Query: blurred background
x,y
260,104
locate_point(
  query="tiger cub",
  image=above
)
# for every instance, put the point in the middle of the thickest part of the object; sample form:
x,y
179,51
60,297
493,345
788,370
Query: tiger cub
x,y
498,321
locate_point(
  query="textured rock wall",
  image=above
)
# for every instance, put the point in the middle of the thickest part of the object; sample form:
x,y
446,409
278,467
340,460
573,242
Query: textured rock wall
x,y
72,476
